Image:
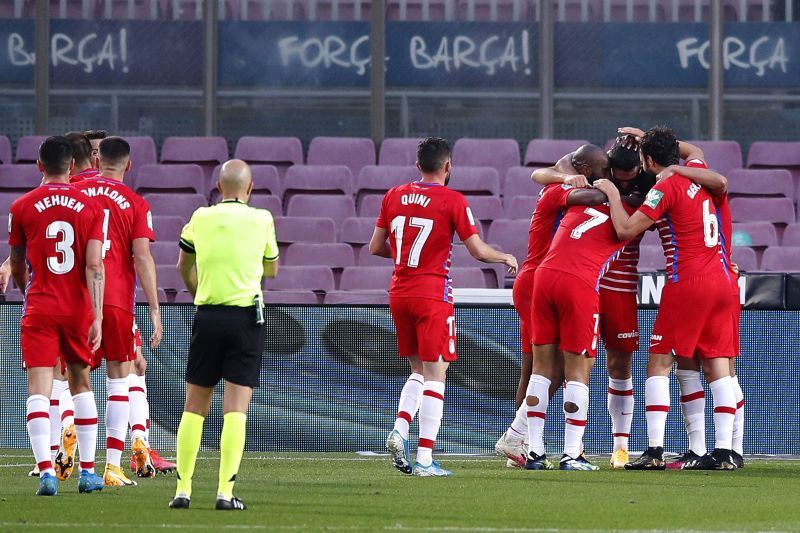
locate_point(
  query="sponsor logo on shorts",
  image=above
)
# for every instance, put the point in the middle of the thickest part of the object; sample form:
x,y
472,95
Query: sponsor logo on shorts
x,y
628,335
452,346
653,198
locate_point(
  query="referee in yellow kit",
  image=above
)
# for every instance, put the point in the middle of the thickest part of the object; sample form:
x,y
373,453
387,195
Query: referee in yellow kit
x,y
225,251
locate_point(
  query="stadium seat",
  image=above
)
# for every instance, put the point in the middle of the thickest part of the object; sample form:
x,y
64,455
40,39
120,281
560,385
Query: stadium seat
x,y
337,208
282,152
13,294
765,182
305,229
28,148
781,259
468,278
317,179
366,278
475,180
370,206
366,259
141,298
171,179
754,234
546,152
511,236
165,252
500,154
722,156
168,228
357,230
269,202
291,297
315,278
776,154
398,152
651,238
168,278
420,10
265,181
207,152
378,179
332,254
5,150
182,205
131,9
353,152
494,10
143,152
521,207
791,235
6,199
494,273
357,297
518,182
775,210
485,209
183,297
745,258
272,10
333,10
651,258
19,178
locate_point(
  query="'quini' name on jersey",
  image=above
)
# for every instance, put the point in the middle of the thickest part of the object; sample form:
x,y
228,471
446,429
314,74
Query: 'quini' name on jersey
x,y
115,195
58,200
415,198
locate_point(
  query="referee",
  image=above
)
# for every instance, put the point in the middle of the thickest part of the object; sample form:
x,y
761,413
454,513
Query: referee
x,y
225,251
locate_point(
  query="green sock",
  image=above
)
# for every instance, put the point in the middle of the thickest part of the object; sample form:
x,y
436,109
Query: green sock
x,y
190,431
231,447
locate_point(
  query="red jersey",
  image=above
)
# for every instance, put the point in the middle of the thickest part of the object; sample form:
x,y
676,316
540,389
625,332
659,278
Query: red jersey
x,y
585,243
84,175
686,220
54,223
623,274
126,216
544,223
422,218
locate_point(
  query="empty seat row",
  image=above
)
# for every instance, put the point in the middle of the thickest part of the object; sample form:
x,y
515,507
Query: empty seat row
x,y
773,259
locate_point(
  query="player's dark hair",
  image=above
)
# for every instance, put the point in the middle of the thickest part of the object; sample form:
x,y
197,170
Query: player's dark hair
x,y
432,154
660,144
55,154
81,148
94,135
114,149
623,158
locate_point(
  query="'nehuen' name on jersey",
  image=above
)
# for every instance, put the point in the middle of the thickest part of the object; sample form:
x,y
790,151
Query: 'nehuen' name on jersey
x,y
115,195
415,198
58,200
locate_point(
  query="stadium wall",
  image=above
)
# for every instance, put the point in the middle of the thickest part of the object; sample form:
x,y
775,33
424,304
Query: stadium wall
x,y
330,378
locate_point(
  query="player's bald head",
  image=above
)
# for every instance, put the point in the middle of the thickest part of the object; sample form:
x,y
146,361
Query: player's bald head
x,y
591,161
235,179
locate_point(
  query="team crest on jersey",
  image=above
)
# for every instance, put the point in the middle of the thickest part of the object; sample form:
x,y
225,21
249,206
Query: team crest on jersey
x,y
566,186
653,198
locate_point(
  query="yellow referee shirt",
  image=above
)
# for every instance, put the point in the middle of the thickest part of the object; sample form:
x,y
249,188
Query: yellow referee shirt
x,y
230,241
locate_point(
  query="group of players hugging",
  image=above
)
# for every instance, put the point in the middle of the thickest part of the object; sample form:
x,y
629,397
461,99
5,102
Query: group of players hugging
x,y
578,282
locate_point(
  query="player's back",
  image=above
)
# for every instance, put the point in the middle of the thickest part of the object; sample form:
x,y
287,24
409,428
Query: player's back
x,y
54,223
126,216
585,243
545,221
422,218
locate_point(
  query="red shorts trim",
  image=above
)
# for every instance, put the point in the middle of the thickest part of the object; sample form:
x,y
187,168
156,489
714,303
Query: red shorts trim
x,y
566,312
118,336
44,337
619,325
695,318
522,293
426,328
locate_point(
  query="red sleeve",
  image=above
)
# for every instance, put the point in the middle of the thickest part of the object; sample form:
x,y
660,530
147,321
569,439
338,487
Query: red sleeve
x,y
381,221
696,163
658,200
558,195
16,237
142,221
463,220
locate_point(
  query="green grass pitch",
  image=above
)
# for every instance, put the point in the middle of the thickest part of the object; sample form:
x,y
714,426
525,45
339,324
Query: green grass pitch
x,y
346,492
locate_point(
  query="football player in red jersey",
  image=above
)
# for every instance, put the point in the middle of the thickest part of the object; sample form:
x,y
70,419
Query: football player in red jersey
x,y
128,231
57,232
420,218
82,152
698,286
95,136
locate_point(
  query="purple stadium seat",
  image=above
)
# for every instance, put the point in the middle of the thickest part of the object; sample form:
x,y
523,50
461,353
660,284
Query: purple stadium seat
x,y
511,236
781,259
168,278
418,10
399,152
494,273
318,179
518,182
722,156
267,201
485,208
754,234
28,148
651,258
131,9
184,297
546,152
171,179
207,152
370,205
339,9
353,152
6,199
305,229
775,210
366,259
357,297
266,180
272,10
332,254
521,207
165,252
282,152
291,297
791,235
143,152
745,258
764,182
493,10
182,205
19,178
378,179
651,238
475,180
764,154
314,278
5,151
468,278
308,205
500,154
366,278
140,297
357,230
168,228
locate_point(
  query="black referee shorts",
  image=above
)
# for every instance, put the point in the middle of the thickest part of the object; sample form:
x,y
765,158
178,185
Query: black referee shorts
x,y
226,344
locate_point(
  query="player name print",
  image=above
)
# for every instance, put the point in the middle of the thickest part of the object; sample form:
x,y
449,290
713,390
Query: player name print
x,y
415,199
57,200
115,195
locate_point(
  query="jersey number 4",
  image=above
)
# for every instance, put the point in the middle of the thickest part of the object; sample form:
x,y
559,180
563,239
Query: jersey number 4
x,y
398,226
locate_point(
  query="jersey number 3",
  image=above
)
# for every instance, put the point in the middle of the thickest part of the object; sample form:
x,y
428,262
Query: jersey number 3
x,y
398,226
65,234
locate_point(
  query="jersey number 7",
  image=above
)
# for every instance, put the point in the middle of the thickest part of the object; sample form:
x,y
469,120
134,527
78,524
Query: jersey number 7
x,y
398,225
